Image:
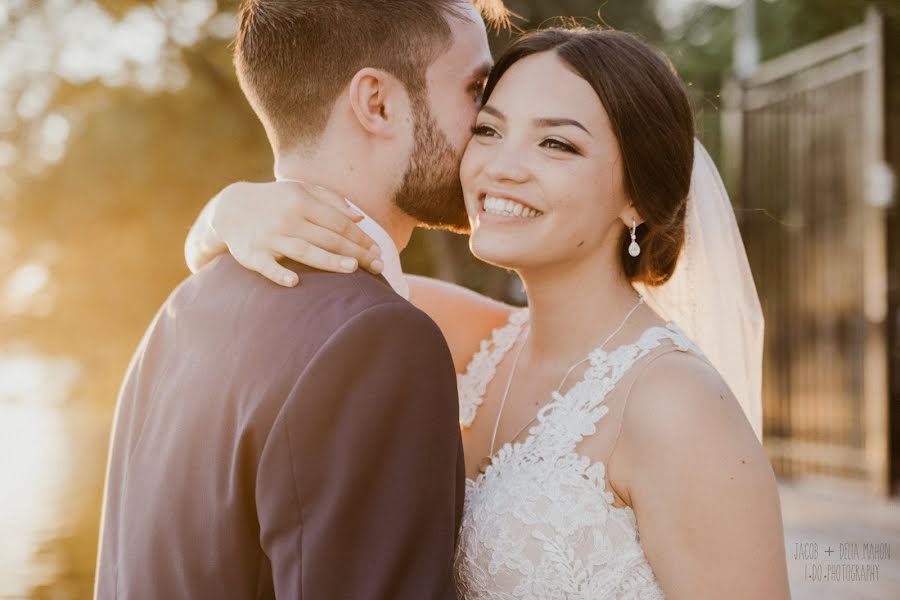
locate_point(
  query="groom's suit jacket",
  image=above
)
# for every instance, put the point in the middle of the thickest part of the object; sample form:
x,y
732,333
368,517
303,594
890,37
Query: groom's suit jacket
x,y
289,443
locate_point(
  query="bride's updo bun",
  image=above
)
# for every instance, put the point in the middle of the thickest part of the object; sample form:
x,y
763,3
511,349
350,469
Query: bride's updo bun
x,y
652,120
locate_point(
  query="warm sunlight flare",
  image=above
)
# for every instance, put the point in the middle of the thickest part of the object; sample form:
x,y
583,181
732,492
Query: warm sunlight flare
x,y
36,464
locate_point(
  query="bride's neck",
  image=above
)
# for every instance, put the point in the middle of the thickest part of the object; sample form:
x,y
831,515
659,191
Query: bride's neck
x,y
574,308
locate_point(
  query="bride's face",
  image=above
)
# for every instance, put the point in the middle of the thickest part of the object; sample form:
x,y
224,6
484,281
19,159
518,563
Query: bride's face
x,y
542,174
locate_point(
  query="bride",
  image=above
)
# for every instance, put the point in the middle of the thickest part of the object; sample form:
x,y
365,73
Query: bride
x,y
607,452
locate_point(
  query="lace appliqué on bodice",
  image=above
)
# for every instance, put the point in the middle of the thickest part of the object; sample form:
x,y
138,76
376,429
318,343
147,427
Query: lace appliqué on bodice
x,y
540,523
483,365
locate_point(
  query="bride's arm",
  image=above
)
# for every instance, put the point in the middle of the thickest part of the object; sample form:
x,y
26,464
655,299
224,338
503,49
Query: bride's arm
x,y
262,222
463,316
702,488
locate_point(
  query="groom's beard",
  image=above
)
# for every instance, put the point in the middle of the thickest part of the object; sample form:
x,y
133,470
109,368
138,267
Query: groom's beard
x,y
431,192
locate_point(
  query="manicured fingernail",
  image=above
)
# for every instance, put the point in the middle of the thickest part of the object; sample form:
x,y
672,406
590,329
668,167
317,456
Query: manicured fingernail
x,y
289,279
353,208
377,266
348,264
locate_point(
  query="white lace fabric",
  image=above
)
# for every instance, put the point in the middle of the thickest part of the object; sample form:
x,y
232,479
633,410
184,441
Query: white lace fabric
x,y
540,522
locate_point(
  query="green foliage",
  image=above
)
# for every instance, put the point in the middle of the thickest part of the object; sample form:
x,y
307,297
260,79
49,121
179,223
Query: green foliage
x,y
788,24
702,45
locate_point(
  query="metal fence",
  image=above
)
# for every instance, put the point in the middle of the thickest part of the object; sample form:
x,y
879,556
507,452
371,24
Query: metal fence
x,y
803,143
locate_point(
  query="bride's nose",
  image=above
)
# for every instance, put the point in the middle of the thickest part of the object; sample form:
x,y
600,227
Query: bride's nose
x,y
507,164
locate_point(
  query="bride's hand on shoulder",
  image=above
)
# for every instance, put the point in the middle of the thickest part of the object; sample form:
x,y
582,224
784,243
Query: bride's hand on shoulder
x,y
701,485
260,223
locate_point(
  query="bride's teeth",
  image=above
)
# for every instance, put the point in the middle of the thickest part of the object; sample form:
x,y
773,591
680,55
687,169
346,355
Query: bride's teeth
x,y
508,208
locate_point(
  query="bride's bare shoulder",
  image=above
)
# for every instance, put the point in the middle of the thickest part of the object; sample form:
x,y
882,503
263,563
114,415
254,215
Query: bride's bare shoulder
x,y
684,434
679,399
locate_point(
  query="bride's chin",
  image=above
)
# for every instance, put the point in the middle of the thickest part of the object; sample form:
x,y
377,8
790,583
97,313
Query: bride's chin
x,y
498,253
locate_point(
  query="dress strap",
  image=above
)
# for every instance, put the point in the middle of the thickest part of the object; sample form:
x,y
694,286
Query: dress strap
x,y
483,366
587,398
644,367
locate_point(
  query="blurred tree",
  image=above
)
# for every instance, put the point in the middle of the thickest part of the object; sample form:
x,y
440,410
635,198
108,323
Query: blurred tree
x,y
138,165
788,24
702,43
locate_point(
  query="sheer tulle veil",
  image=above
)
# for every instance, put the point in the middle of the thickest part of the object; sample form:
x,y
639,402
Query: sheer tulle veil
x,y
711,295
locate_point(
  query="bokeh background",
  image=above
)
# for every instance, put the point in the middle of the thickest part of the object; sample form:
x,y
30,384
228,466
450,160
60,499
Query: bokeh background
x,y
119,119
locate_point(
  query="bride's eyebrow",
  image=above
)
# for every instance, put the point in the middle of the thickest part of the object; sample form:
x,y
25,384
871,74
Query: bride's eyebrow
x,y
545,122
561,122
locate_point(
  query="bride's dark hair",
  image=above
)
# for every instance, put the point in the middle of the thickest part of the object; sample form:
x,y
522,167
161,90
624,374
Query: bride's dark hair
x,y
652,120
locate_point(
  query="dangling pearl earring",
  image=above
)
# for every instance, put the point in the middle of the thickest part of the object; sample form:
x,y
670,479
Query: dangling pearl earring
x,y
634,249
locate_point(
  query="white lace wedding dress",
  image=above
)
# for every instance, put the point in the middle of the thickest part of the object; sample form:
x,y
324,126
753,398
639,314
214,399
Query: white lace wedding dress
x,y
540,522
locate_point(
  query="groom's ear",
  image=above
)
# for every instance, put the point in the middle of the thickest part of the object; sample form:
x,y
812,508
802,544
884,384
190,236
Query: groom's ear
x,y
377,99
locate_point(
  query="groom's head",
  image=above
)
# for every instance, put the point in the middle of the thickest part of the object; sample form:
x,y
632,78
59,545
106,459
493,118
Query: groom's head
x,y
396,81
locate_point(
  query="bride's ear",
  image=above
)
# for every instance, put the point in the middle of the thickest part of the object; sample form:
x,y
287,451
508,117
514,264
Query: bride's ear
x,y
630,215
376,99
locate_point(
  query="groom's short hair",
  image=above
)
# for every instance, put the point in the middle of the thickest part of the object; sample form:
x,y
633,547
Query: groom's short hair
x,y
293,57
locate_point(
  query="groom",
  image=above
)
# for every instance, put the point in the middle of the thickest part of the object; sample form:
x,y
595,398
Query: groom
x,y
304,443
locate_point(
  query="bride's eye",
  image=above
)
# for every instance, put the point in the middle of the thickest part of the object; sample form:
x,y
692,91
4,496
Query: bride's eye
x,y
554,144
484,131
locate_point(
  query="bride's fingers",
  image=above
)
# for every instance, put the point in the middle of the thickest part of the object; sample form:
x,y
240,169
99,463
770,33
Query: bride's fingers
x,y
333,199
368,257
310,255
328,217
266,265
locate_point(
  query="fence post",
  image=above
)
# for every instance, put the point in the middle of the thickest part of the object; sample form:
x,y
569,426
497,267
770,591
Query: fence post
x,y
875,382
891,33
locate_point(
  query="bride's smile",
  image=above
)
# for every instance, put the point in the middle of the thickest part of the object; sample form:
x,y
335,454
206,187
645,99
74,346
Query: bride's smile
x,y
498,204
